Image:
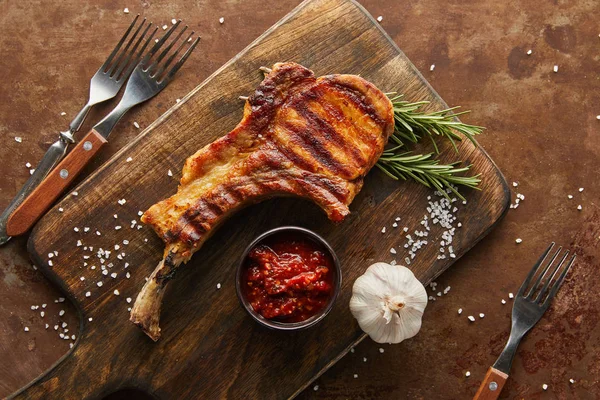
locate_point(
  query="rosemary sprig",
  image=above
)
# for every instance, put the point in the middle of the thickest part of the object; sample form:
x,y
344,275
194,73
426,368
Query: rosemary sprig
x,y
412,124
426,170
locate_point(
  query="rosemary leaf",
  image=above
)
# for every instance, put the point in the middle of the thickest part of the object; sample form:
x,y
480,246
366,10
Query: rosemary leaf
x,y
411,123
426,170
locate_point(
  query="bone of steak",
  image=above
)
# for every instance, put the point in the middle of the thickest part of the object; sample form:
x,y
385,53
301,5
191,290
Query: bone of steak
x,y
300,135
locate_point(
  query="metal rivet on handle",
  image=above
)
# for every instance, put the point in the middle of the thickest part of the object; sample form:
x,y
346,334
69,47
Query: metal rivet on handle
x,y
493,386
64,173
87,145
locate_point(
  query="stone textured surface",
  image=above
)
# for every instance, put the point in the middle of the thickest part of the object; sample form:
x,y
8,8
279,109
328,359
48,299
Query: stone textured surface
x,y
542,132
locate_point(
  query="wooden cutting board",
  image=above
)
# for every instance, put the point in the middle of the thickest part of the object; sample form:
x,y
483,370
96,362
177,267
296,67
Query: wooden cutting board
x,y
210,348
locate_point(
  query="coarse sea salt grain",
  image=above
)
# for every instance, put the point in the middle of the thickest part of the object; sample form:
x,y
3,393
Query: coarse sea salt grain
x,y
581,189
459,311
173,21
221,20
380,18
116,292
579,207
555,69
165,26
467,374
18,139
128,299
432,67
129,159
393,250
136,124
126,10
169,173
383,230
545,387
518,240
481,315
471,318
381,350
510,295
218,286
503,301
529,52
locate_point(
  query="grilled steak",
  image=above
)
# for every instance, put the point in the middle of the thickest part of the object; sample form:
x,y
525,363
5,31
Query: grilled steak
x,y
300,135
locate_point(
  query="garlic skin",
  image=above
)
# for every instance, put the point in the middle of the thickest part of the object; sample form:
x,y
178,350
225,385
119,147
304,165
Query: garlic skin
x,y
388,302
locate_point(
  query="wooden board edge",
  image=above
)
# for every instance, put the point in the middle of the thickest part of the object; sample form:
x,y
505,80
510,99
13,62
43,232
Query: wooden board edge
x,y
54,279
499,176
506,192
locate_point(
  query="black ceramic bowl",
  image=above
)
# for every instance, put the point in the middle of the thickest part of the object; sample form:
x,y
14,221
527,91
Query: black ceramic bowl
x,y
289,326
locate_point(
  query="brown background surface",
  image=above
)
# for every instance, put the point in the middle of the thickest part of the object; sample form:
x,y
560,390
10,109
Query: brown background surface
x,y
542,132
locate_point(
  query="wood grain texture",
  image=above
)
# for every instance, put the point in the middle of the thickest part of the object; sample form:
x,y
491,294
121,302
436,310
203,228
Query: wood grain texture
x,y
492,385
50,189
210,347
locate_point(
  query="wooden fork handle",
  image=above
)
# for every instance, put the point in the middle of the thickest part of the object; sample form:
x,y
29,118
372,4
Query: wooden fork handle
x,y
40,200
492,385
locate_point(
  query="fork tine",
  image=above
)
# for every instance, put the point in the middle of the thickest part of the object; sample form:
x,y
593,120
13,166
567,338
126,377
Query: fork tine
x,y
534,270
179,63
135,60
559,281
540,277
552,275
153,68
157,45
171,58
104,66
131,53
123,53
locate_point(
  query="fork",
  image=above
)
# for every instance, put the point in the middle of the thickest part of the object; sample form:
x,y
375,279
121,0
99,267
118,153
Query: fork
x,y
104,85
148,78
146,81
528,308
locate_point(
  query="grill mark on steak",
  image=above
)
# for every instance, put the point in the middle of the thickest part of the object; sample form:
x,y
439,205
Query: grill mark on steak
x,y
306,138
331,134
357,99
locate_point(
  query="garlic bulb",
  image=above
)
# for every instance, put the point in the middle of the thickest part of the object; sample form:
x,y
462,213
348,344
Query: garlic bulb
x,y
388,302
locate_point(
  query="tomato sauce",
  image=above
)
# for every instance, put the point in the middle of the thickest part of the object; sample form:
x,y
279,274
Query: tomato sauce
x,y
288,278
